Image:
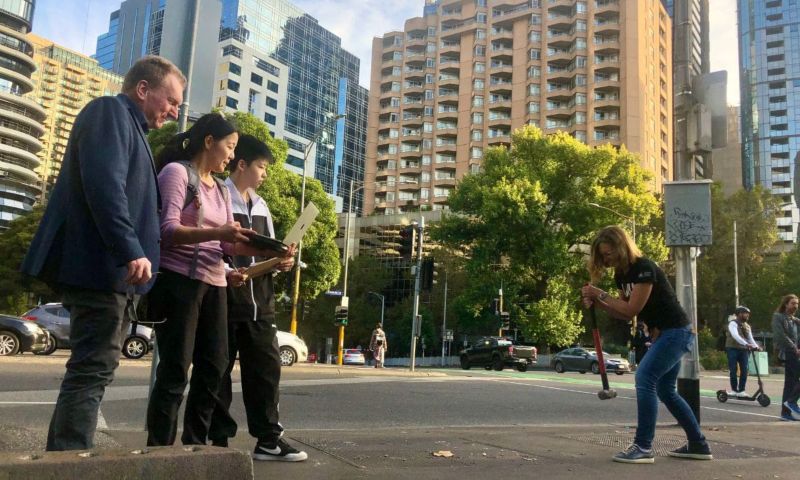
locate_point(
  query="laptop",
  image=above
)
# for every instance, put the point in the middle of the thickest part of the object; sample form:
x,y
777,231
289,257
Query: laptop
x,y
302,224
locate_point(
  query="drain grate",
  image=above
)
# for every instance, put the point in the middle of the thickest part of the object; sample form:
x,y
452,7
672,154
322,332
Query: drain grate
x,y
664,443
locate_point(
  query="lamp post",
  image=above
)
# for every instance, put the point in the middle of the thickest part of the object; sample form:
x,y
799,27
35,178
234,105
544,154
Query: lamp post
x,y
383,304
346,261
631,219
296,293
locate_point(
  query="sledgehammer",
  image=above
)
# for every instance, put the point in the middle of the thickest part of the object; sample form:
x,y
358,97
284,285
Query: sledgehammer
x,y
606,393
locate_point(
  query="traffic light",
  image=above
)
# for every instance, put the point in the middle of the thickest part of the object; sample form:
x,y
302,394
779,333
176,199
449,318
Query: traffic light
x,y
408,240
428,273
340,316
505,320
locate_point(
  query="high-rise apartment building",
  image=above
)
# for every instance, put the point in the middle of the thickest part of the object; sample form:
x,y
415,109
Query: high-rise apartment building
x,y
461,78
20,117
769,56
64,82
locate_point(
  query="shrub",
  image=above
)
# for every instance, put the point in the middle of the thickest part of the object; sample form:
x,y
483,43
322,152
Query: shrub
x,y
714,360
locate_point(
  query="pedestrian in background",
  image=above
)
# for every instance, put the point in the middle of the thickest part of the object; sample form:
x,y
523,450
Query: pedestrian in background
x,y
785,337
252,333
97,244
188,302
645,293
378,345
738,344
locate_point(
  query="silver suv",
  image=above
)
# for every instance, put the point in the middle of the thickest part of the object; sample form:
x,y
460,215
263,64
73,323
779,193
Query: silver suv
x,y
54,318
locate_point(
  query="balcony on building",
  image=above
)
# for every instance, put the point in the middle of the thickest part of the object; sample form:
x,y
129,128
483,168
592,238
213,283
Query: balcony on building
x,y
500,83
501,33
448,80
606,23
505,14
447,110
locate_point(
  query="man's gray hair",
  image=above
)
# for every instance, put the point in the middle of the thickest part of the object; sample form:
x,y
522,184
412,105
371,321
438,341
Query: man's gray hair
x,y
153,69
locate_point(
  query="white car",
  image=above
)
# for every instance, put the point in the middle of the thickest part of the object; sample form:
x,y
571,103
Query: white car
x,y
293,349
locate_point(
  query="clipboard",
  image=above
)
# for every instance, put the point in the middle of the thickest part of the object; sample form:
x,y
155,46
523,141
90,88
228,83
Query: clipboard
x,y
302,224
262,268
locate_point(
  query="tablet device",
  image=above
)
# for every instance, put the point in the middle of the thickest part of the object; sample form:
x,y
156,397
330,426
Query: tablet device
x,y
263,242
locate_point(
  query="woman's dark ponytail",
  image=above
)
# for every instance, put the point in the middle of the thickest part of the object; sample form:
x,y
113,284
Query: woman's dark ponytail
x,y
185,145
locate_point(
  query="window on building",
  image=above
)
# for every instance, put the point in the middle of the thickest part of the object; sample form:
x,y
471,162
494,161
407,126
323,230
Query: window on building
x,y
234,69
232,103
480,67
480,17
272,103
272,86
257,79
233,85
270,119
480,34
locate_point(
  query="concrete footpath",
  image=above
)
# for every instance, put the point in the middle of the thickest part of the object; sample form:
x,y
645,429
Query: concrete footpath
x,y
762,450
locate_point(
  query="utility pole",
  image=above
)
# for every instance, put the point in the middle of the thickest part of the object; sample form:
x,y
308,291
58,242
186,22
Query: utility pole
x,y
444,317
184,114
416,320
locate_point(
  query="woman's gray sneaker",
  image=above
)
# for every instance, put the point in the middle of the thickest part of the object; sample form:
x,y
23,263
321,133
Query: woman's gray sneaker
x,y
634,454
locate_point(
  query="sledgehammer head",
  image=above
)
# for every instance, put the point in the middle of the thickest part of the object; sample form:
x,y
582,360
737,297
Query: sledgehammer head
x,y
607,394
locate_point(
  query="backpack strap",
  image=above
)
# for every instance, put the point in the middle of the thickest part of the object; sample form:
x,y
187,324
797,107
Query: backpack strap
x,y
192,194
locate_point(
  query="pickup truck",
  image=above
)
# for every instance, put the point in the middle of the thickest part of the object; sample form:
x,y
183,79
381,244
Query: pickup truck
x,y
497,353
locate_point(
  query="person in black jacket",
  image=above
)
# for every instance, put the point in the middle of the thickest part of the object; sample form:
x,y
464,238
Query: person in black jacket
x,y
251,318
640,342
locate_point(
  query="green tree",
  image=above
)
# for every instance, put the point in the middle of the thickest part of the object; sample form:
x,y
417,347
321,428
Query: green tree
x,y
18,291
526,220
754,211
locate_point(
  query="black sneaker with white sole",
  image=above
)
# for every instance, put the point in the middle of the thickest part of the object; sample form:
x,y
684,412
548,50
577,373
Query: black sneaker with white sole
x,y
279,451
693,450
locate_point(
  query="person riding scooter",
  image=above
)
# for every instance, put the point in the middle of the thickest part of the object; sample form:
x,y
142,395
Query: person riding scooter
x,y
738,344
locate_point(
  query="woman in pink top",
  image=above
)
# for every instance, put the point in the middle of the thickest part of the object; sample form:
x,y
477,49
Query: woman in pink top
x,y
189,297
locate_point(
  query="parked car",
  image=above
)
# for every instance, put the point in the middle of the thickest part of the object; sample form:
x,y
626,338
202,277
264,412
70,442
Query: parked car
x,y
17,336
293,349
497,353
583,359
353,356
55,319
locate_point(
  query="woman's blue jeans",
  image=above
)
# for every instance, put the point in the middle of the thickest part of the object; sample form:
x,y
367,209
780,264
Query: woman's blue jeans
x,y
656,378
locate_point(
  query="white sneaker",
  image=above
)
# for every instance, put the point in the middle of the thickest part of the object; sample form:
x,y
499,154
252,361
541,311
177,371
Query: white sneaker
x,y
731,393
742,394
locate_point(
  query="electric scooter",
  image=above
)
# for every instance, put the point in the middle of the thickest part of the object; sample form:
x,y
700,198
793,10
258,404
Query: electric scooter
x,y
759,394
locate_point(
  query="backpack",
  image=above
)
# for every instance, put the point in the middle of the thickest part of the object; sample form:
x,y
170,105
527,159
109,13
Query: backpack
x,y
193,187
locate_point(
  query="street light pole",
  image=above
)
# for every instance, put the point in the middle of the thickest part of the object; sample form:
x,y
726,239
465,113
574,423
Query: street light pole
x,y
735,266
346,261
383,305
296,290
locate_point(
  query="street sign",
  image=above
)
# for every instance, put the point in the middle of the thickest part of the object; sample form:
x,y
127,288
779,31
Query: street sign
x,y
333,293
448,335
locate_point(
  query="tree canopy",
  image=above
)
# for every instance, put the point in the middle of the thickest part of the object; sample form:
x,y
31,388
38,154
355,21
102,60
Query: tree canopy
x,y
526,219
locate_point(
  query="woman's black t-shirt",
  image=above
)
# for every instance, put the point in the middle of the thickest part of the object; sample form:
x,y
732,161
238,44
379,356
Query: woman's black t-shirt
x,y
662,309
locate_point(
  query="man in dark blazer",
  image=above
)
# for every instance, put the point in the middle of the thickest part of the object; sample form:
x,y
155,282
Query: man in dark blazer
x,y
98,242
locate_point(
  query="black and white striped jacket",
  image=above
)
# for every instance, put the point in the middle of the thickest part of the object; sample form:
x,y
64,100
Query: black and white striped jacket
x,y
255,300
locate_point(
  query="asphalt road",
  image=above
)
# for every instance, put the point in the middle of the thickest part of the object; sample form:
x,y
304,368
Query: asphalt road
x,y
319,397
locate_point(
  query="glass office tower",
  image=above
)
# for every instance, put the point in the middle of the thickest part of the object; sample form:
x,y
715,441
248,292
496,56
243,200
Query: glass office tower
x,y
769,56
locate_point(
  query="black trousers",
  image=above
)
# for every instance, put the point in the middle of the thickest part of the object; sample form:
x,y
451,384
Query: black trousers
x,y
260,363
194,332
98,322
791,379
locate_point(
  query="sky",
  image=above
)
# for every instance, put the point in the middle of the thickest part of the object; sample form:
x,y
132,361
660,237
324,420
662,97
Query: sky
x,y
356,22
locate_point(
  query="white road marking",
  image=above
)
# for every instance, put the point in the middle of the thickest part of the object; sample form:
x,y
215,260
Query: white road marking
x,y
101,421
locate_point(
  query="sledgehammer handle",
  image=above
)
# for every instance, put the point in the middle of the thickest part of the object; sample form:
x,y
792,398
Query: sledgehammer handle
x,y
598,348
